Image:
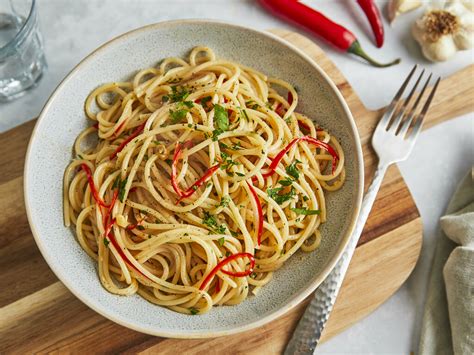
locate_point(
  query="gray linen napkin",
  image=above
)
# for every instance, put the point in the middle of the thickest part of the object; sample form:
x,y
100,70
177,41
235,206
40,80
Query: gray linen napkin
x,y
448,321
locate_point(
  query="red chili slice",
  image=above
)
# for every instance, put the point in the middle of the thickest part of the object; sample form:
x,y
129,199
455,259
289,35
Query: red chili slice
x,y
199,183
192,189
132,226
230,273
174,173
325,146
259,212
109,210
122,145
290,98
308,139
96,125
94,191
111,238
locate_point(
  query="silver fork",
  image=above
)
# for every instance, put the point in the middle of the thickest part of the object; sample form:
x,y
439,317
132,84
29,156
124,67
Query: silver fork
x,y
393,141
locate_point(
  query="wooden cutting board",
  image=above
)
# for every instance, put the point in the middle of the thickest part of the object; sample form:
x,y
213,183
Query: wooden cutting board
x,y
38,314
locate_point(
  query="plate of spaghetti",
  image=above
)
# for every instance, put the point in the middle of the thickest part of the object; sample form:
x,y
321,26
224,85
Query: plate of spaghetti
x,y
193,178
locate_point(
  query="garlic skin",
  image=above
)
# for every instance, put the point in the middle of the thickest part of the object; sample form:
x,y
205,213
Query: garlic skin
x,y
398,7
443,31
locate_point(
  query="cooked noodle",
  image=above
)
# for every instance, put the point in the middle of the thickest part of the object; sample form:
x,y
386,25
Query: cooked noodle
x,y
197,181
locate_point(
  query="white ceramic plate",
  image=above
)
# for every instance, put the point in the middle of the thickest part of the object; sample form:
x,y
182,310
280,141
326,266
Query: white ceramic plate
x,y
50,150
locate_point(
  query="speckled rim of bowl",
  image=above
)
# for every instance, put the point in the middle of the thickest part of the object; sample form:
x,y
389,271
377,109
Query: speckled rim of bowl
x,y
298,297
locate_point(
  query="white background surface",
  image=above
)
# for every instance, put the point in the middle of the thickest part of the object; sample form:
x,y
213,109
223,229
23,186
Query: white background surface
x,y
72,29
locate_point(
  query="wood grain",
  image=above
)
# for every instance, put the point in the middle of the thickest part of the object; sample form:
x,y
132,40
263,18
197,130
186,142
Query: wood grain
x,y
38,314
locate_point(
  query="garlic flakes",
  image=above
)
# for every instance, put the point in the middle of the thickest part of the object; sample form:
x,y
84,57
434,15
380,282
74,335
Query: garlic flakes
x,y
441,32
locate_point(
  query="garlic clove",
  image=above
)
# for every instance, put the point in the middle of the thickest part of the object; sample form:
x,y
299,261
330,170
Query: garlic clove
x,y
398,7
441,50
463,40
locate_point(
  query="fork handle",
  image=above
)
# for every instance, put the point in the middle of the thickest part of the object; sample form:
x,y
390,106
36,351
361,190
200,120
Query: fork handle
x,y
311,325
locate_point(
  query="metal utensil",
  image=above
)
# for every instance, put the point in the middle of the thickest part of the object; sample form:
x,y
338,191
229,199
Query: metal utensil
x,y
393,141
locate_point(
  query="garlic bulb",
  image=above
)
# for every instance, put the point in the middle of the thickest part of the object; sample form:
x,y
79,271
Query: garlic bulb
x,y
398,7
443,31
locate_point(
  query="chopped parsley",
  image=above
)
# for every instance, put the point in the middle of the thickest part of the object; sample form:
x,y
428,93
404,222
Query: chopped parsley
x,y
228,253
193,311
165,98
223,146
221,118
305,211
239,174
177,115
224,201
216,133
292,170
140,227
80,156
121,187
234,234
305,198
209,220
106,242
221,241
179,93
280,198
286,182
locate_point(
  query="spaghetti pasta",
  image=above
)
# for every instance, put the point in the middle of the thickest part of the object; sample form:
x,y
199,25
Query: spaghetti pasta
x,y
197,180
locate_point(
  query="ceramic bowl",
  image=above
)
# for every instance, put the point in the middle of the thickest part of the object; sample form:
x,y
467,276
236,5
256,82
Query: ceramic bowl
x,y
62,118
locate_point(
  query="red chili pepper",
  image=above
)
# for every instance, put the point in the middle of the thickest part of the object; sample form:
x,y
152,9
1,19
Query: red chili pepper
x,y
230,273
309,139
192,189
94,191
132,226
109,210
96,125
174,173
199,183
259,213
111,238
320,25
290,98
373,15
135,133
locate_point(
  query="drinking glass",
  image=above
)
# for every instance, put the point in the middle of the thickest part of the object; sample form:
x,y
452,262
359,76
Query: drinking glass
x,y
22,59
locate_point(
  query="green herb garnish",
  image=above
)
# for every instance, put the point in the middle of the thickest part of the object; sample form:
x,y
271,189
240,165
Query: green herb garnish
x,y
280,198
221,118
177,115
221,241
305,211
121,193
216,133
106,242
286,182
224,201
141,228
292,170
193,311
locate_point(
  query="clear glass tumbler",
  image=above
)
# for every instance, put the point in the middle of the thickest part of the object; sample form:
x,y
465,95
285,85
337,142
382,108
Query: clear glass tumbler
x,y
22,59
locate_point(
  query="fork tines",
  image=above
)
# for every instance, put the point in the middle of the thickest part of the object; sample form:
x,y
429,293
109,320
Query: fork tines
x,y
400,117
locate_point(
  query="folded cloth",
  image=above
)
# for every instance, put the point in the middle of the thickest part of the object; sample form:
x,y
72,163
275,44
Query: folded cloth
x,y
448,320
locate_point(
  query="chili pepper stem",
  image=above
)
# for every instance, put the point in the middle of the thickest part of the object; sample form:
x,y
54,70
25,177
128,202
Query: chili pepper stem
x,y
357,50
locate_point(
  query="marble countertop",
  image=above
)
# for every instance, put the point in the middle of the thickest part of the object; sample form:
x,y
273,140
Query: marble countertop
x,y
72,29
